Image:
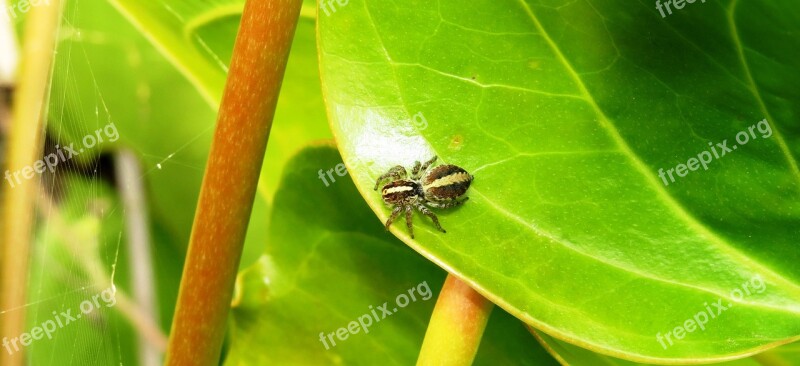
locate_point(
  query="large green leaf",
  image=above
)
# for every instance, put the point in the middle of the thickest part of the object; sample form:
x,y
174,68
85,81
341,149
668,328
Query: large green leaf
x,y
568,354
325,267
565,111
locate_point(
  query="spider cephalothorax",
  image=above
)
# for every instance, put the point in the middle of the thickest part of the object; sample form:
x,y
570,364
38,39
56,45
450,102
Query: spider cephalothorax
x,y
439,187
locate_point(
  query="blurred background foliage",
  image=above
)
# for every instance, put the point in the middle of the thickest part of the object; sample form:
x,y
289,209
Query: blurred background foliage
x,y
156,70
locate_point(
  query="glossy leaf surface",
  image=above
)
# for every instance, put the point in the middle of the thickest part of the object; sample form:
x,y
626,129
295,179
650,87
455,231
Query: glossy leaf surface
x,y
565,112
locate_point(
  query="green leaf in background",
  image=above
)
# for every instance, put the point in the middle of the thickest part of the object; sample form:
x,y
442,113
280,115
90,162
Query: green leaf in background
x,y
148,83
107,72
198,40
326,266
504,343
565,111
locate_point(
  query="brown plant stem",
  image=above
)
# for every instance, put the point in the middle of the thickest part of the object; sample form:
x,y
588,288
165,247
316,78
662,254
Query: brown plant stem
x,y
231,178
25,146
456,327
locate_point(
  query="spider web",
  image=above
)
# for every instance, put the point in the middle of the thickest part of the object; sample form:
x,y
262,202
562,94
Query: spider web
x,y
93,235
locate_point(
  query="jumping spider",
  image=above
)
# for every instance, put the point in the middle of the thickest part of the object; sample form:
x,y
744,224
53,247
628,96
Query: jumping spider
x,y
439,187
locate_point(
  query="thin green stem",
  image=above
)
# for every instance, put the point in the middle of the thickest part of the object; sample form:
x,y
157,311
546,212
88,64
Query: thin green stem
x,y
25,146
456,326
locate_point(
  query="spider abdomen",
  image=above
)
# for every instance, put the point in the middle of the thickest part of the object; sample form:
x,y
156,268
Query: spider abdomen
x,y
445,183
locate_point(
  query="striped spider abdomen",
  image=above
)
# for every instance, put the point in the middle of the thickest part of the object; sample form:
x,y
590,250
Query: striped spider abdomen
x,y
439,187
446,183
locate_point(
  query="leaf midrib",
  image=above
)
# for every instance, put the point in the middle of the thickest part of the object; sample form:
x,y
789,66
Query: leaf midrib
x,y
640,166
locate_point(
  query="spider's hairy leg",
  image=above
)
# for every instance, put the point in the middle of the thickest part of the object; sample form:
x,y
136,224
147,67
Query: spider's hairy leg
x,y
428,164
425,211
415,171
447,204
398,172
393,216
419,170
409,211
